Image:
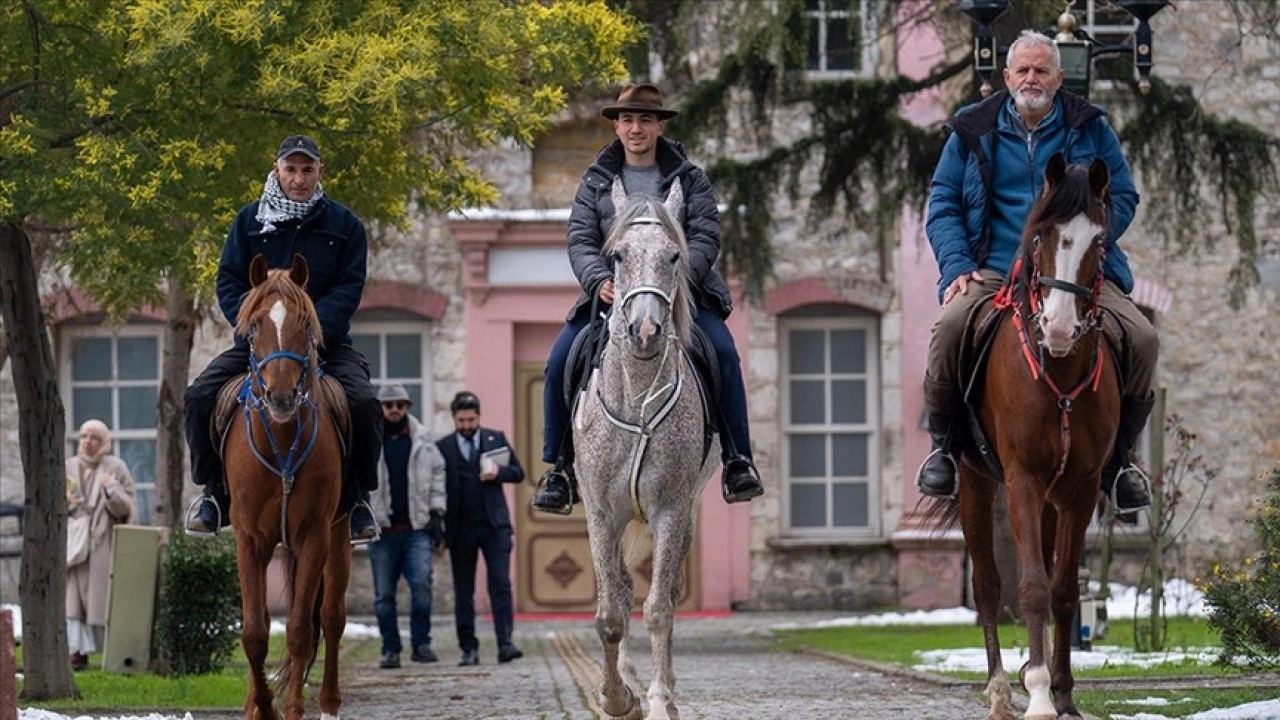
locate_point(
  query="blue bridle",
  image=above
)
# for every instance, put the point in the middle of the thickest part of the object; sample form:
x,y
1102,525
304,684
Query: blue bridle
x,y
284,466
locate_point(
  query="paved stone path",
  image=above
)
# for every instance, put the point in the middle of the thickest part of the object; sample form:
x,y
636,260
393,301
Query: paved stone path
x,y
725,668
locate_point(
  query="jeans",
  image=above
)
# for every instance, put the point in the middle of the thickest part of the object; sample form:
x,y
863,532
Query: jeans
x,y
407,554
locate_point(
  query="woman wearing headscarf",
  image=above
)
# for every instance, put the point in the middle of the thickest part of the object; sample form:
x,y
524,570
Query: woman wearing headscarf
x,y
99,487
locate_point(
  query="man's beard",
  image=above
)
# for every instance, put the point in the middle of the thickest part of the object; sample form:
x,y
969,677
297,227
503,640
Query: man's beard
x,y
1033,102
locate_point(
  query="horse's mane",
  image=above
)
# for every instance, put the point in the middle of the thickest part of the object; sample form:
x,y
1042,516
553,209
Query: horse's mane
x,y
279,283
682,300
1072,196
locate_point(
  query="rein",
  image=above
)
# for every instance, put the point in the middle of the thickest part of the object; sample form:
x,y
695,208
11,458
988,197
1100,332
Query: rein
x,y
1033,351
285,466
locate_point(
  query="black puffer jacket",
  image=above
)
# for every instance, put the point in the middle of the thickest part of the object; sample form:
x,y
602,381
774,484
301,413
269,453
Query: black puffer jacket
x,y
593,214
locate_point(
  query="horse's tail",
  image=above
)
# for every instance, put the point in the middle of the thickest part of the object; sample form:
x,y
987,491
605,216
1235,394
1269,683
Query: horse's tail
x,y
941,514
280,681
635,540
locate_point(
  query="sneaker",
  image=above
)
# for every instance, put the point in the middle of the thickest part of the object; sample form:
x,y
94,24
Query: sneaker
x,y
364,529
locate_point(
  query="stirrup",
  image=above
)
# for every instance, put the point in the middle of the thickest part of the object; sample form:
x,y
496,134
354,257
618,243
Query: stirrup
x,y
955,468
1130,469
358,541
193,509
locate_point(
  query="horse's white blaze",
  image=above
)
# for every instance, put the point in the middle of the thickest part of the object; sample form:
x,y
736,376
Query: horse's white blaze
x,y
1059,318
278,315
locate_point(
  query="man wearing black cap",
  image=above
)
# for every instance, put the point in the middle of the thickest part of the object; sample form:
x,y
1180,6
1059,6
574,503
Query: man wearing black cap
x,y
293,216
648,165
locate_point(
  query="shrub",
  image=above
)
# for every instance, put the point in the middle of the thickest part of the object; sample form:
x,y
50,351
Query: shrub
x,y
1244,601
199,618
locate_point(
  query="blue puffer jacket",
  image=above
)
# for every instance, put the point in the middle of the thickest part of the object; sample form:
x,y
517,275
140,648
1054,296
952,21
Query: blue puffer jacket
x,y
957,224
333,241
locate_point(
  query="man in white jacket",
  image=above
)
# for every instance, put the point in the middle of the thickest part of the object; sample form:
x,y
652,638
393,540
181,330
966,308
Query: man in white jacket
x,y
409,505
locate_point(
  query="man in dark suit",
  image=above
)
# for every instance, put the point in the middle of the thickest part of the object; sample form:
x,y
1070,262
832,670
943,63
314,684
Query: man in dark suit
x,y
478,460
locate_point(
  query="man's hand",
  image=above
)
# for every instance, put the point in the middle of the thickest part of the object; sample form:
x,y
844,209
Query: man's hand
x,y
435,530
488,470
606,291
961,285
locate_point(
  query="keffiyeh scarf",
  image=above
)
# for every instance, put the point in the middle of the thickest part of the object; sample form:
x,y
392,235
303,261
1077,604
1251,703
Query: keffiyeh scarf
x,y
276,207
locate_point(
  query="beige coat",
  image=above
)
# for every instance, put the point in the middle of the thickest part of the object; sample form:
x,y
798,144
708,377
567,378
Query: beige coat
x,y
87,582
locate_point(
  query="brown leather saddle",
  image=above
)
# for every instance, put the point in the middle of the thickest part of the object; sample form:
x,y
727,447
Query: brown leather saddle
x,y
235,391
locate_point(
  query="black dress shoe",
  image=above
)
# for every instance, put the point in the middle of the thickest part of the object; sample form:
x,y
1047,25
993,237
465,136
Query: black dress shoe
x,y
424,654
740,480
557,492
469,657
507,653
390,661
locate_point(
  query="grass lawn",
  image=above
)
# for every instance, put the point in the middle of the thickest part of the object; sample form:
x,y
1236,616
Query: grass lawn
x,y
898,645
1105,703
227,689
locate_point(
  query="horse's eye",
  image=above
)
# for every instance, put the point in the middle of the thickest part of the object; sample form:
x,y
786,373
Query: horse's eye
x,y
675,258
253,329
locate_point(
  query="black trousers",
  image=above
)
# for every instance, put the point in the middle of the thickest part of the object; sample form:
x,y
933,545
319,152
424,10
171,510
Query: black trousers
x,y
464,551
346,365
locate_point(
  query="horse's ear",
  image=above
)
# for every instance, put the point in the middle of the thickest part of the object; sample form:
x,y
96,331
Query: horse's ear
x,y
258,270
619,196
1099,178
1056,170
298,271
675,198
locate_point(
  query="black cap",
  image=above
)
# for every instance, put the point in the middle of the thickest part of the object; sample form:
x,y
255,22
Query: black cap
x,y
298,144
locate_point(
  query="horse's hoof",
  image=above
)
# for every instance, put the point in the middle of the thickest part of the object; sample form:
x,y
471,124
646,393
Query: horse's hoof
x,y
628,709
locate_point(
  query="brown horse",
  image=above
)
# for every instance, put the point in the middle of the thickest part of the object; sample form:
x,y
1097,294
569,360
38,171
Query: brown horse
x,y
285,435
1049,408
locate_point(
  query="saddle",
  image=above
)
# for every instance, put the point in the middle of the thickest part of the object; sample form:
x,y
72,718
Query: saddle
x,y
327,389
983,322
701,352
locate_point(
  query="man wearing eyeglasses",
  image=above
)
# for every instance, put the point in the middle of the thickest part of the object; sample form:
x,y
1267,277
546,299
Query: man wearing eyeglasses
x,y
409,505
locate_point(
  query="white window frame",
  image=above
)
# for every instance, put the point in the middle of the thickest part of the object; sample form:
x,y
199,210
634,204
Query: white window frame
x,y
873,427
423,329
1091,24
869,47
68,335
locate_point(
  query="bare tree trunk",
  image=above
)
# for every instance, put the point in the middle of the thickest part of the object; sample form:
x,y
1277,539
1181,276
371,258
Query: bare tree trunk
x,y
41,427
179,336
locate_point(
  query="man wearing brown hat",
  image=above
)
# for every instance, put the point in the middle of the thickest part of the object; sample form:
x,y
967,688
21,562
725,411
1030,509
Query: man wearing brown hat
x,y
648,165
293,216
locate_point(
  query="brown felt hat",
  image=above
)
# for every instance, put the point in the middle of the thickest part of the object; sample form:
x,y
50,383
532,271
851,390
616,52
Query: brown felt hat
x,y
641,98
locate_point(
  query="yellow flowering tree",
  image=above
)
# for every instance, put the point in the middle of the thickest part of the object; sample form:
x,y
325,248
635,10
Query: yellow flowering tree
x,y
130,132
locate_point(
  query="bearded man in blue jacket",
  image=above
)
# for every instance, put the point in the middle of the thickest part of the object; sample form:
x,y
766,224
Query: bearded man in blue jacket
x,y
989,176
293,216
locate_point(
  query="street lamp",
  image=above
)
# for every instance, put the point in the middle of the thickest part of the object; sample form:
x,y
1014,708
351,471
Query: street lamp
x,y
1075,46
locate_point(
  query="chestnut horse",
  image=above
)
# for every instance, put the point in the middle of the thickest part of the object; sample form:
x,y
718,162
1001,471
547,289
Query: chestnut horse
x,y
1050,408
285,436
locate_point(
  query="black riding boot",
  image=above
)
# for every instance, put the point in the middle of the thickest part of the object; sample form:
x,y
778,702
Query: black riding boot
x,y
740,480
211,511
557,490
1124,483
938,475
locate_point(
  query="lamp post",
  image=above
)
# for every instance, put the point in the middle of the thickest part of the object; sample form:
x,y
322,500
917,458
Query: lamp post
x,y
1076,47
